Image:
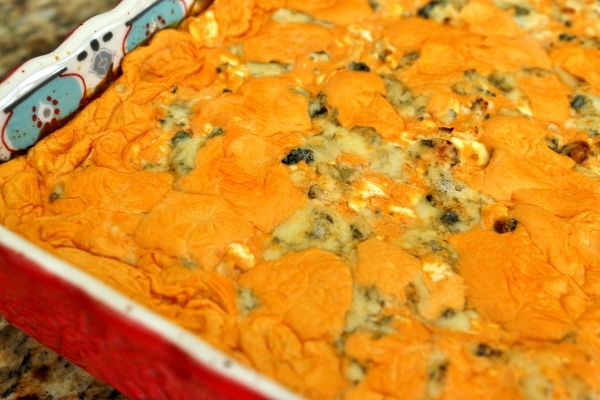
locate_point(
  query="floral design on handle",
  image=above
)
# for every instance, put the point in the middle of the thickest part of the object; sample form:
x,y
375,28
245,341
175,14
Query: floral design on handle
x,y
41,110
44,92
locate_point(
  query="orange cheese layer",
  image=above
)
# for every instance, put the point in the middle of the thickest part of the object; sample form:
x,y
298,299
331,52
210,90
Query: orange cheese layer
x,y
360,199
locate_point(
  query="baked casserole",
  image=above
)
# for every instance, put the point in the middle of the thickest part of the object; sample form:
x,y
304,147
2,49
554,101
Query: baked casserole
x,y
359,199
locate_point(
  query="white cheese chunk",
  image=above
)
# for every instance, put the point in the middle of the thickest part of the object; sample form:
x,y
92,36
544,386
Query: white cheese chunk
x,y
437,270
241,254
472,151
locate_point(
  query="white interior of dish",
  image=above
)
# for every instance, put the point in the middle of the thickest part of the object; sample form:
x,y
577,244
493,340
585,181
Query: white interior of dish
x,y
186,341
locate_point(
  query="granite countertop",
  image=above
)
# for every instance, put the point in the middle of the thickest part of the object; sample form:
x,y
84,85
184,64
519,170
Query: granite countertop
x,y
28,370
31,28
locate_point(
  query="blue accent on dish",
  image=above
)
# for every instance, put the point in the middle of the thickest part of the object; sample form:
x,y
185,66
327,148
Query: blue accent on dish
x,y
160,14
43,107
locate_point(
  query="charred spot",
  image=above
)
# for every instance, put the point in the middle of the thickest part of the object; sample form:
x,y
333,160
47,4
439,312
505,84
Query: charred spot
x,y
448,313
359,66
427,143
180,136
449,218
567,37
222,67
319,55
505,225
358,234
485,350
298,154
437,373
578,102
317,111
578,151
430,199
446,129
317,107
553,144
427,9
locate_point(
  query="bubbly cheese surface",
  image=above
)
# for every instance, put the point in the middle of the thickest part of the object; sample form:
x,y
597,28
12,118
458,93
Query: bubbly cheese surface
x,y
360,199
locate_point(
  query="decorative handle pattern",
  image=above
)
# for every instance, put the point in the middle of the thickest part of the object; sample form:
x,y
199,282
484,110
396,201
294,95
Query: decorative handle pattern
x,y
41,95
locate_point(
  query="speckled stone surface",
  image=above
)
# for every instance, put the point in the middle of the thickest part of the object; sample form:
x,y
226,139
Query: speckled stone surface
x,y
28,370
34,27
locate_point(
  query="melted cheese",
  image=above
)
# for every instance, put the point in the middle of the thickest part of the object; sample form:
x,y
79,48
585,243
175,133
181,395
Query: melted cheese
x,y
359,199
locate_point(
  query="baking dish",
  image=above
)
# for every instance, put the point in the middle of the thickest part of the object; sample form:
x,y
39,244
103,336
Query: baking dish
x,y
344,212
135,350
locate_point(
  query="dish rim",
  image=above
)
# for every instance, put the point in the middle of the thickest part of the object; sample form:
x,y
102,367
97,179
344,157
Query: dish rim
x,y
200,351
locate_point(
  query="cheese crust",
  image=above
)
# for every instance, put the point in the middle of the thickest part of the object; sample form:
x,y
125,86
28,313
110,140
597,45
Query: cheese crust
x,y
360,199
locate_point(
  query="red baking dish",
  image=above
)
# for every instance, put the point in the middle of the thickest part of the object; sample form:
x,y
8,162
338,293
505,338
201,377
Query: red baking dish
x,y
120,342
